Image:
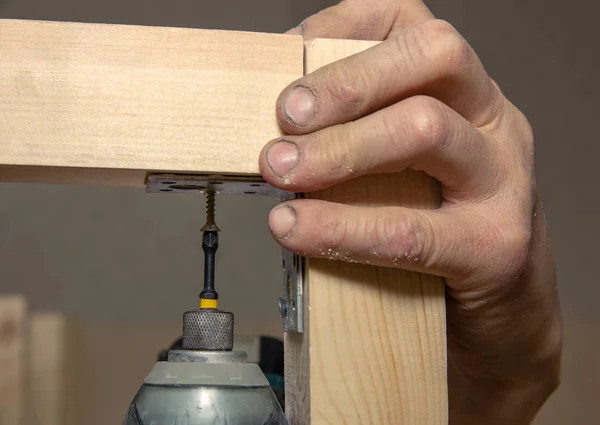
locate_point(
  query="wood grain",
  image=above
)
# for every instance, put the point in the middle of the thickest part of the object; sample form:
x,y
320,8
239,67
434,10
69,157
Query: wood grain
x,y
106,104
13,359
124,100
375,347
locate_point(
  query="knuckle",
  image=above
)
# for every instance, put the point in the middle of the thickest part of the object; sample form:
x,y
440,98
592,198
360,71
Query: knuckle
x,y
334,149
403,239
333,231
390,129
407,51
344,90
515,124
442,45
513,244
428,124
517,243
527,135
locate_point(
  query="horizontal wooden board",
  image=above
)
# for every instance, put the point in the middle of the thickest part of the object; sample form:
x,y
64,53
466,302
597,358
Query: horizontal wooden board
x,y
124,100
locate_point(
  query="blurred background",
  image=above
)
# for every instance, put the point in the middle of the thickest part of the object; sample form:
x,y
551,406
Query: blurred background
x,y
121,265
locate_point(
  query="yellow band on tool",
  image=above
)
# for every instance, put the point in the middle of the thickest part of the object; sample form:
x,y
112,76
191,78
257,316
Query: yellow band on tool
x,y
208,303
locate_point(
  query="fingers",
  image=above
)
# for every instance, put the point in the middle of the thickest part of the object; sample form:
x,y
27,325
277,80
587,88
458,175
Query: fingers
x,y
362,19
436,242
420,132
340,21
429,59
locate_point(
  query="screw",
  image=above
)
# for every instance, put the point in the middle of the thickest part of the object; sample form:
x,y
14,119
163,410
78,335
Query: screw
x,y
282,308
210,244
210,213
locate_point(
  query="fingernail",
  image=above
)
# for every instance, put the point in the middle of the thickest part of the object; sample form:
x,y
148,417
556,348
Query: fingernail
x,y
283,157
300,106
282,221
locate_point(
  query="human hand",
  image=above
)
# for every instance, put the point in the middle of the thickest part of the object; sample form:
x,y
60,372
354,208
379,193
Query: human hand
x,y
421,99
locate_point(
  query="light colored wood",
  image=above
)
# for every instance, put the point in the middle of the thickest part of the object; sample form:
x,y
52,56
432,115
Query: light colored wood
x,y
124,100
374,351
105,104
47,368
13,319
72,175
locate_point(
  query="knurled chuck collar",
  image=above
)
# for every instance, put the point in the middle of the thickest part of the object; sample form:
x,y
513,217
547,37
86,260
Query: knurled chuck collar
x,y
208,329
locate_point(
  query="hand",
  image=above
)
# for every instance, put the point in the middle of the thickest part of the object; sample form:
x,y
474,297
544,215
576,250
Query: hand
x,y
421,99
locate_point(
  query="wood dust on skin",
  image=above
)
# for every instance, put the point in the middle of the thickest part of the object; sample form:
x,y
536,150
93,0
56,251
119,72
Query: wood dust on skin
x,y
348,257
409,256
331,255
288,179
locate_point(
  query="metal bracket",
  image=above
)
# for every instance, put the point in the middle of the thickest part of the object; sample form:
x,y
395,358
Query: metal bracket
x,y
291,304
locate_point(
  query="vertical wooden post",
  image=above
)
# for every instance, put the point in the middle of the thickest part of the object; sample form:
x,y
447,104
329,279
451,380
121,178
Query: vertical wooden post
x,y
374,347
13,313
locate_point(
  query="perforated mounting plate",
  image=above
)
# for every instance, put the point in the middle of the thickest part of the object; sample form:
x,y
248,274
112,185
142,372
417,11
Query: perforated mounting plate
x,y
293,267
226,185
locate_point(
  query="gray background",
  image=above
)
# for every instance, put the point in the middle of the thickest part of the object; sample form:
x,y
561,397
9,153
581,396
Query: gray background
x,y
120,256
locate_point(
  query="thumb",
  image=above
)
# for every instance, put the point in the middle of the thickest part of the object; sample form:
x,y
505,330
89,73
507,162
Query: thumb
x,y
363,19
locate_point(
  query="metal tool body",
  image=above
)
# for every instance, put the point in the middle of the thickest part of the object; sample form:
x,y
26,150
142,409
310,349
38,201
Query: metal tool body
x,y
197,388
206,382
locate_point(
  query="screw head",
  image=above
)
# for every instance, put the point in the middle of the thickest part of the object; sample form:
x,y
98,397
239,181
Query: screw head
x,y
210,239
282,308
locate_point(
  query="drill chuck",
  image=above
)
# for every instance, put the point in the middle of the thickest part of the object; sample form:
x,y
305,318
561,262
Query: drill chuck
x,y
208,329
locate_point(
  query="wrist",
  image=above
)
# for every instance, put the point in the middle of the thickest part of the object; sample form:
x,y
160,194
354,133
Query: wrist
x,y
499,406
513,397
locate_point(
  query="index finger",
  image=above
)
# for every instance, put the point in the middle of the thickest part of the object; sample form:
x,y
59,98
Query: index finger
x,y
429,59
363,19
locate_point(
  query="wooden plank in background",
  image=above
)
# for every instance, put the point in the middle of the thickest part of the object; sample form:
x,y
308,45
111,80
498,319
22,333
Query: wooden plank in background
x,y
13,359
47,368
374,350
124,100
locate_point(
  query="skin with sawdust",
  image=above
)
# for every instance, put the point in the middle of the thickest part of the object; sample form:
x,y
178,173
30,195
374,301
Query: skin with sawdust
x,y
421,99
